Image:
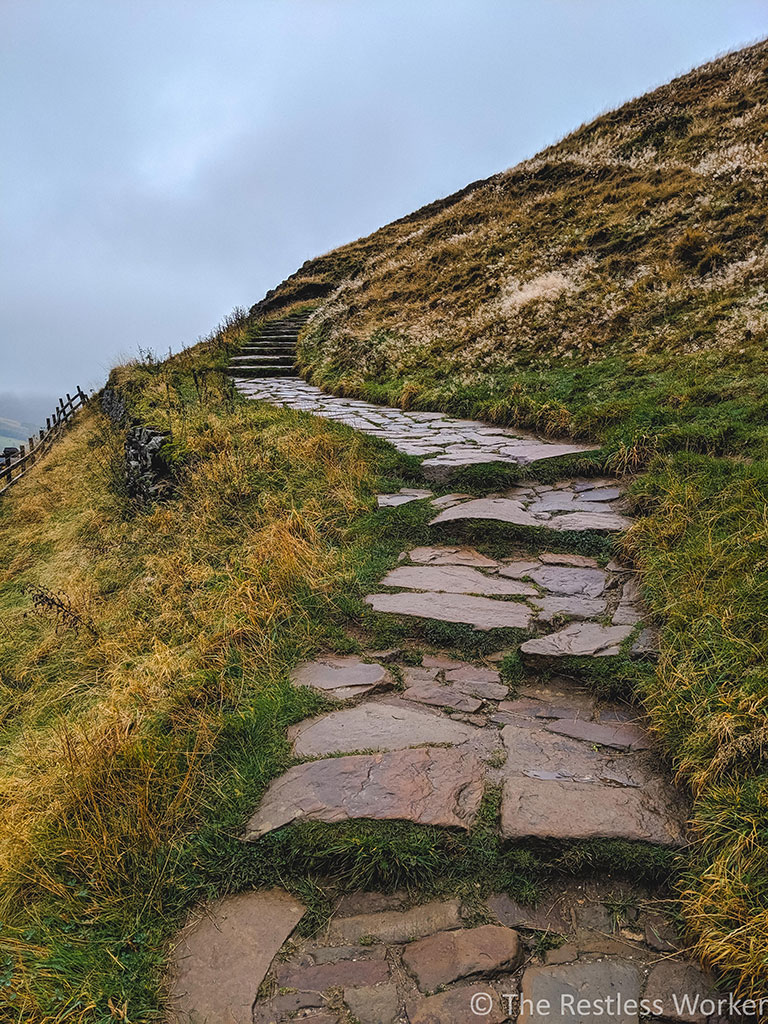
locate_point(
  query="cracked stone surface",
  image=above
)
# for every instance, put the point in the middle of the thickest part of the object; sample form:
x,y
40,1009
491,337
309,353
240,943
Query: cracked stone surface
x,y
573,505
223,954
579,640
559,787
521,591
341,677
383,726
449,956
446,444
426,786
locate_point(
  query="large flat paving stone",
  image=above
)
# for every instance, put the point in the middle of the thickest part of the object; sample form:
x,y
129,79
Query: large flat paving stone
x,y
223,954
557,787
428,786
375,726
579,640
553,993
448,956
455,579
341,677
482,613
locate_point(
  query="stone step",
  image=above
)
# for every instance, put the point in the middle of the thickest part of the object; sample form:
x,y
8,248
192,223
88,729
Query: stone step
x,y
278,346
426,786
265,357
530,592
569,767
384,959
259,372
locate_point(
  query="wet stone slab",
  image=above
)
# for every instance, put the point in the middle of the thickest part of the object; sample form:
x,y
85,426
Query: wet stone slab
x,y
425,786
445,444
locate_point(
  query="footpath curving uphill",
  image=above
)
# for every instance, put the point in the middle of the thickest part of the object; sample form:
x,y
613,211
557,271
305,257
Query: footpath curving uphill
x,y
425,740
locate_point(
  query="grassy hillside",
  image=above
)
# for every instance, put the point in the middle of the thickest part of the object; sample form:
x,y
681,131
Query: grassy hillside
x,y
615,287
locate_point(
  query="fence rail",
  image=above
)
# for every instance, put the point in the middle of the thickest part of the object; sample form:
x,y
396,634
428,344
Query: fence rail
x,y
14,467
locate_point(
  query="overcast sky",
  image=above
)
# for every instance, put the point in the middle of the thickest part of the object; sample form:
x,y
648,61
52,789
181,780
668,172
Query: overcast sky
x,y
165,161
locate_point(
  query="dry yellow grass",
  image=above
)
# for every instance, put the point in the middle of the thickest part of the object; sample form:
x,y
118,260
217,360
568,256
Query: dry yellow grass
x,y
182,615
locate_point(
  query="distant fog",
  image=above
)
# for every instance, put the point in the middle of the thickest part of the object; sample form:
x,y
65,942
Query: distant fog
x,y
32,408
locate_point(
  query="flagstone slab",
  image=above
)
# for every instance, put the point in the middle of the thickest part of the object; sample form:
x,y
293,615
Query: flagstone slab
x,y
670,981
448,956
554,558
553,992
223,954
500,510
555,787
375,726
622,737
482,613
442,696
569,580
378,1004
341,677
402,497
443,555
398,925
341,973
551,608
427,786
454,1006
579,640
454,579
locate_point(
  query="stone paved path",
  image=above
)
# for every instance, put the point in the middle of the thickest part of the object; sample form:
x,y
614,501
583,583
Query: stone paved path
x,y
417,735
446,444
382,960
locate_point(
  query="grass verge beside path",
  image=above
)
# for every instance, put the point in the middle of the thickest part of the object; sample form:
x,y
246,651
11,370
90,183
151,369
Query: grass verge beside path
x,y
144,654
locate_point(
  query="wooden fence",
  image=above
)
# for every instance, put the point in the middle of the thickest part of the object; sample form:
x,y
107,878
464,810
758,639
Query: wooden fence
x,y
14,467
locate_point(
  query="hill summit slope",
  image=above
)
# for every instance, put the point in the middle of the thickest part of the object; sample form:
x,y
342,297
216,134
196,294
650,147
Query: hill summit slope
x,y
640,235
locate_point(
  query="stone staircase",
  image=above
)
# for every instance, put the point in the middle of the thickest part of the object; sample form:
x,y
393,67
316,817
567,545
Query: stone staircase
x,y
272,353
419,734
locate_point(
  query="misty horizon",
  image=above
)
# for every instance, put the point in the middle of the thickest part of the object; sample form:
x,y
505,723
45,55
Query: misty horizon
x,y
167,163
